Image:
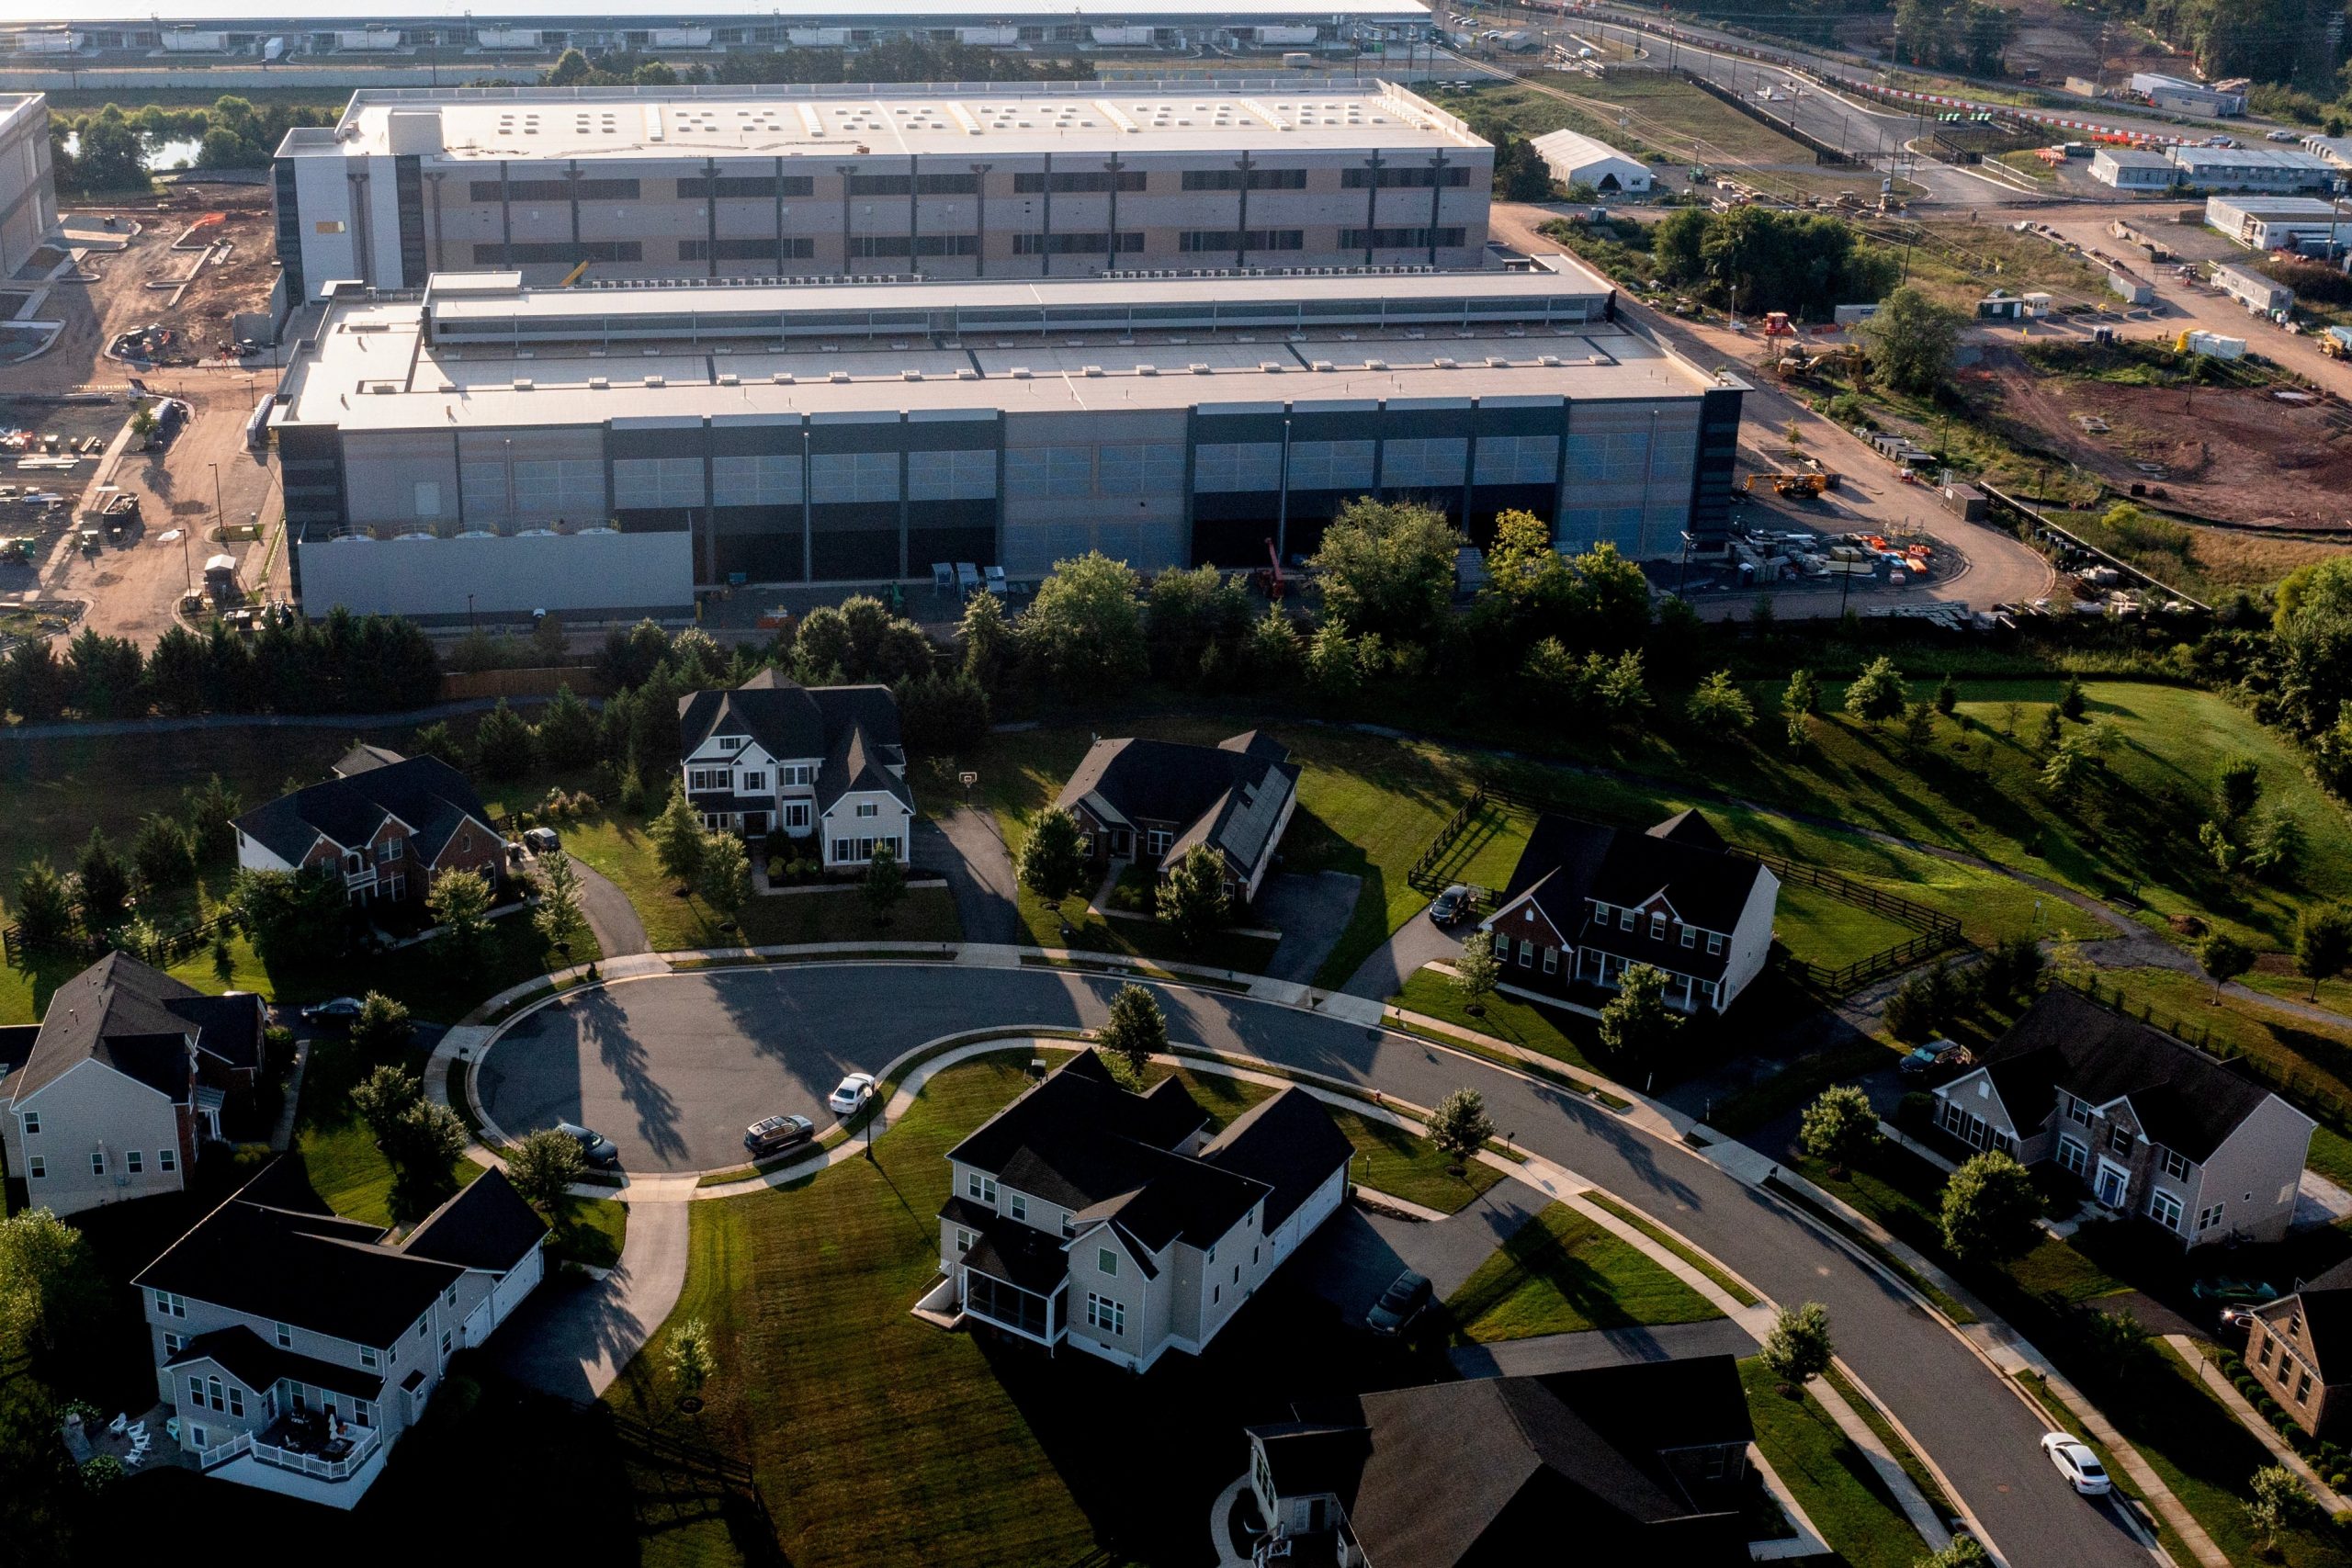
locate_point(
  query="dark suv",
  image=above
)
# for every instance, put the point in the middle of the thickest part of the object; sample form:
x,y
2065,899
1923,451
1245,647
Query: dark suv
x,y
1405,1299
779,1132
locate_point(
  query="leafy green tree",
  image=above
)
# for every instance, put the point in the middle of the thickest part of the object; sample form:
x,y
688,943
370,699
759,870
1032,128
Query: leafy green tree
x,y
33,685
1387,568
570,70
2052,729
2117,1342
459,903
1136,1031
438,739
2323,944
1334,662
109,156
1918,724
678,842
1839,1126
2013,968
1189,613
1947,697
2277,1501
2073,700
2223,958
566,732
544,1166
1620,689
297,920
1911,341
2069,768
1799,703
1051,862
989,647
723,874
1963,1551
210,813
560,918
1771,260
1191,897
1799,1348
941,715
53,1294
504,744
1877,694
1989,1210
1271,653
1460,1127
383,1030
1635,1024
886,883
104,882
2274,844
2237,785
1475,971
382,1098
690,1357
1720,705
161,852
1084,632
424,1148
107,676
43,908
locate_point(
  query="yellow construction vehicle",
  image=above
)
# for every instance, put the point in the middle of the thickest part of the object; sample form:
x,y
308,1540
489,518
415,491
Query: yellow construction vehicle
x,y
1796,486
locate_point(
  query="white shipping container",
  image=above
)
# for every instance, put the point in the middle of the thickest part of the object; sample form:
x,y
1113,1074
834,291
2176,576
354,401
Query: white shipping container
x,y
1284,35
816,37
367,37
190,41
508,38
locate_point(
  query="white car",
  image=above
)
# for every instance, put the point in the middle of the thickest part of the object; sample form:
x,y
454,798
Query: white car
x,y
854,1092
2076,1463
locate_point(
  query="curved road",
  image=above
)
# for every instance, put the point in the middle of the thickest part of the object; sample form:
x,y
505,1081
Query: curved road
x,y
1981,1435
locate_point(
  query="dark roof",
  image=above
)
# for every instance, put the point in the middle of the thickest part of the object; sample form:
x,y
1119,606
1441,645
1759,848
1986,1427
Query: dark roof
x,y
486,1225
2326,1305
1311,1457
363,757
854,762
1569,864
1290,1143
230,1026
854,729
425,793
1229,796
17,1045
333,1276
125,1014
1502,1469
258,1364
2185,1099
1012,1252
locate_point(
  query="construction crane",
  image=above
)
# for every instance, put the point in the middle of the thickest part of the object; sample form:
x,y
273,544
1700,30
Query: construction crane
x,y
573,276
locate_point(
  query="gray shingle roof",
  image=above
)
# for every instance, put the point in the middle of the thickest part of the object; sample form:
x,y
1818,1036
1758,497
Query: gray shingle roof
x,y
1290,1143
425,793
256,1363
486,1225
1230,796
854,729
126,1015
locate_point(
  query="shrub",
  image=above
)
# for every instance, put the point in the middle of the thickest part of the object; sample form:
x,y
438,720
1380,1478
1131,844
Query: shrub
x,y
1916,1109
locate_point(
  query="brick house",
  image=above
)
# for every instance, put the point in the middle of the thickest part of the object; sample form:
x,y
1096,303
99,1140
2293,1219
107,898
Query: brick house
x,y
387,824
112,1096
2293,1343
1151,802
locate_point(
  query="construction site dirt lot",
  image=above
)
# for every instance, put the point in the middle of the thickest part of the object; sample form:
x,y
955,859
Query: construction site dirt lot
x,y
2237,454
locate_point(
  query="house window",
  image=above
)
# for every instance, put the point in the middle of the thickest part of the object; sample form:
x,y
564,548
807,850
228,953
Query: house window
x,y
1157,839
1690,936
1551,961
844,849
963,1241
196,1392
167,1159
982,1188
449,1296
390,850
1658,928
2175,1164
868,809
2079,1110
1601,912
196,1436
236,1399
133,1161
97,1162
1526,952
170,1305
2119,1140
2303,1388
32,1124
754,782
368,1357
362,1412
285,1335
2164,1209
796,814
174,1343
36,1167
1020,1207
2208,1218
1104,1314
1714,942
445,1342
1624,919
2270,1353
1107,1261
2074,1155
213,1399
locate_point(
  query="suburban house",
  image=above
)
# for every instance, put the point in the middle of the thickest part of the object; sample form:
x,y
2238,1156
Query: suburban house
x,y
2292,1341
388,824
110,1097
822,762
296,1348
1587,902
1152,801
2150,1125
1085,1215
1649,1458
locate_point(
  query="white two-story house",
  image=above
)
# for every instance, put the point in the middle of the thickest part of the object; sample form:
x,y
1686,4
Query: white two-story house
x,y
386,824
1586,903
296,1348
1083,1215
2152,1126
820,763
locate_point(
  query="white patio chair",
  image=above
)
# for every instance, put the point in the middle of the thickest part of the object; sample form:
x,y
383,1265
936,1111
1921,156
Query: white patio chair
x,y
115,1426
134,1459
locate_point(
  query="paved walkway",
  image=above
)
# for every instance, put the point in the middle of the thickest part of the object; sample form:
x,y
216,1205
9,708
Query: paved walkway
x,y
610,915
574,1342
967,848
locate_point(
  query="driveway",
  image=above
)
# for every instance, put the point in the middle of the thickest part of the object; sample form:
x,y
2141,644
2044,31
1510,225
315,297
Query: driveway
x,y
1311,911
964,847
610,915
1417,942
574,1341
670,1052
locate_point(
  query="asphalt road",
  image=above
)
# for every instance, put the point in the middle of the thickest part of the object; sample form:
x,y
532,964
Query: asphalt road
x,y
669,1057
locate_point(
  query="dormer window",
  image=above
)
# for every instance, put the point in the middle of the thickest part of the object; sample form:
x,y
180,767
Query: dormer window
x,y
1658,928
1624,919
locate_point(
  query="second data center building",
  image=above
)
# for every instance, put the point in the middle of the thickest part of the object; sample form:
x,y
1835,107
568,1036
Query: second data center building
x,y
611,451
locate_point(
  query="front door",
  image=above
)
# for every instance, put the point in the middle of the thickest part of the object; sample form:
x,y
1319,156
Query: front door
x,y
1316,1520
2111,1184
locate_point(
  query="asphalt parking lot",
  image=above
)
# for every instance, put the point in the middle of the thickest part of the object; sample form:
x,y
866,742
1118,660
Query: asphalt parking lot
x,y
673,1071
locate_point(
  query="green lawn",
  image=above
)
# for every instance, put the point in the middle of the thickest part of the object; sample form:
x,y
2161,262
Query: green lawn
x,y
1830,1479
2310,1064
1675,1245
592,1231
1563,1036
346,1170
1795,1085
1820,927
1562,1273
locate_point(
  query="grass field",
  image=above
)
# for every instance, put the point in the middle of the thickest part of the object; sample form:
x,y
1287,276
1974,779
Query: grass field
x,y
1562,1273
2310,1063
346,1170
1829,1478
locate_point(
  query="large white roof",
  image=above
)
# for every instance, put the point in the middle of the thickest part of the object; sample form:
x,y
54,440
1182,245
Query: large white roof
x,y
1574,150
257,14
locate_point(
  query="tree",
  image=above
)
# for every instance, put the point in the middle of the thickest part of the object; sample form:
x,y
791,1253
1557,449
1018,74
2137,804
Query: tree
x,y
988,641
33,685
2273,844
2323,944
1635,1024
1799,703
1947,697
1839,1126
1989,1210
544,1166
1387,568
1964,1551
2223,958
1876,694
1084,631
383,1029
1271,654
44,911
1191,897
1334,662
438,739
1136,1031
2069,768
2277,1501
886,883
1799,1350
1719,705
566,730
224,957
1051,860
211,813
689,1357
1918,724
560,917
2012,968
382,1098
942,715
425,1144
723,877
2117,1343
459,905
550,643
104,882
570,70
2072,700
1460,1127
105,674
2237,785
1475,970
296,918
504,744
2051,730
1910,341
678,839
161,852
52,1293
1193,617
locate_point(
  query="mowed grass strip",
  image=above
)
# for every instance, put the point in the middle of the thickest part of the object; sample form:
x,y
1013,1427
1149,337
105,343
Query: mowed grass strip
x,y
1829,1477
1562,1273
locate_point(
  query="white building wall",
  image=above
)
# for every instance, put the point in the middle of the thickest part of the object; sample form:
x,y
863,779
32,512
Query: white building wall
x,y
1751,940
2255,1174
505,574
322,196
94,1109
